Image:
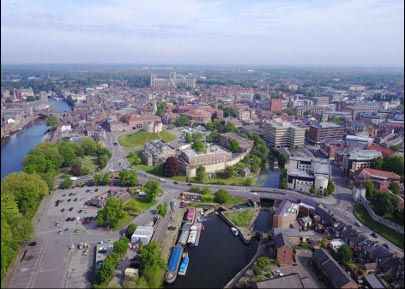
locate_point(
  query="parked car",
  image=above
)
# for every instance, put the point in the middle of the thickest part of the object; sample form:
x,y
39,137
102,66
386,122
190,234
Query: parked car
x,y
171,228
175,182
357,224
386,246
96,190
32,244
69,200
60,232
75,200
80,211
71,209
374,235
189,184
62,210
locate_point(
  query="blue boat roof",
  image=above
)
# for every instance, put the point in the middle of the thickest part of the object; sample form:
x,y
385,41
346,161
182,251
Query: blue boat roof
x,y
183,265
174,258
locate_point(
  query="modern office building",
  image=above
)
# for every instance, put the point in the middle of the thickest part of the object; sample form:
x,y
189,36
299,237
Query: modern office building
x,y
323,130
358,159
304,173
283,134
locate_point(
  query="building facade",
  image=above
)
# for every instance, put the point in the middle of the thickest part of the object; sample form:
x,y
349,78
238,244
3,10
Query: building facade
x,y
283,134
321,131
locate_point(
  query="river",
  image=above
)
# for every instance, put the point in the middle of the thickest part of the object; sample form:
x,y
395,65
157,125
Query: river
x,y
15,147
268,178
219,256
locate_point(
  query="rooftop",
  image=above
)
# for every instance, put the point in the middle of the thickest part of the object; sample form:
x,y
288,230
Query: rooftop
x,y
325,125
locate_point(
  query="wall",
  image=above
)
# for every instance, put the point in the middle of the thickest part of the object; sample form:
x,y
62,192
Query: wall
x,y
379,219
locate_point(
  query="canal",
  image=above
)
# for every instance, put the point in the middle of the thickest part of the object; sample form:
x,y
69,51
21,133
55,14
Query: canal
x,y
218,258
268,178
15,147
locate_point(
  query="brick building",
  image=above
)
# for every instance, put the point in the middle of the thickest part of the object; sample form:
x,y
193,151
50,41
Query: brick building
x,y
321,131
244,143
283,249
285,214
276,105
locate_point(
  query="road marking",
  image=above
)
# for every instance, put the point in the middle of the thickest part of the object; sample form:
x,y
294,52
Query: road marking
x,y
48,270
37,264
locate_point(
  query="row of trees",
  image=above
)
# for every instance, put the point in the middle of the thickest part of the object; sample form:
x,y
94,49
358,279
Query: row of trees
x,y
394,163
21,195
107,268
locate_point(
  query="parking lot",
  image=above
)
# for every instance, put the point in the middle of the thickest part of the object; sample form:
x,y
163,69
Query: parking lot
x,y
51,262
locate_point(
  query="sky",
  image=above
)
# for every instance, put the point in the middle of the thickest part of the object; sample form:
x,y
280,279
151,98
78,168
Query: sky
x,y
254,32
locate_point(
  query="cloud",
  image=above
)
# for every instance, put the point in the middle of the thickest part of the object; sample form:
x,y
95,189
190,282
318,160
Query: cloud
x,y
187,31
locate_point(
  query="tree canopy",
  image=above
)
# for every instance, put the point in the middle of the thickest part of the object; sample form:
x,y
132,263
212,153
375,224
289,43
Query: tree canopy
x,y
200,174
52,121
128,178
112,212
152,190
198,146
233,146
170,167
221,196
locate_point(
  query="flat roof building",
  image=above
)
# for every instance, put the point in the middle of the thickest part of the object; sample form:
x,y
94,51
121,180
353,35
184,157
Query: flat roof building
x,y
323,130
142,234
283,134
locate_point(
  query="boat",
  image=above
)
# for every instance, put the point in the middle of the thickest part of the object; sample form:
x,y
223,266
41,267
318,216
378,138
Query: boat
x,y
185,229
174,262
192,237
190,218
235,231
184,264
202,212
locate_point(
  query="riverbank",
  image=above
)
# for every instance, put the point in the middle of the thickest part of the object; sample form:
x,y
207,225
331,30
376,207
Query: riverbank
x,y
18,126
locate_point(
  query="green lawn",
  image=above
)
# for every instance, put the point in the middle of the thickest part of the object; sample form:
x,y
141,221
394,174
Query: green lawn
x,y
167,136
145,168
137,206
137,139
232,181
88,162
240,219
235,201
122,222
362,215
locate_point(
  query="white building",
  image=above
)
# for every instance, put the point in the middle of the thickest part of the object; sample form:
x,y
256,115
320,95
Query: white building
x,y
336,244
142,234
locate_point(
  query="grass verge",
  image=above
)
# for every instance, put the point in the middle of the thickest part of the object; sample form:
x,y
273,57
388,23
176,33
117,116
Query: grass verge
x,y
136,206
362,215
240,219
167,136
123,222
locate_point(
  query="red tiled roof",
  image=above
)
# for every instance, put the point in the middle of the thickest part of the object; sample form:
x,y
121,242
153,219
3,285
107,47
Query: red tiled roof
x,y
380,173
383,150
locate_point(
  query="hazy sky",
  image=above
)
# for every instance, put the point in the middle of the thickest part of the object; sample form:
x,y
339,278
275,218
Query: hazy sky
x,y
289,32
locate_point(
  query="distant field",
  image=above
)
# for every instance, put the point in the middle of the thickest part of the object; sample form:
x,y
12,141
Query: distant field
x,y
362,215
167,136
137,139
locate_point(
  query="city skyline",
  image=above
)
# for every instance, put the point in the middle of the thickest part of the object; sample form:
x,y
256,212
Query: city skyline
x,y
354,33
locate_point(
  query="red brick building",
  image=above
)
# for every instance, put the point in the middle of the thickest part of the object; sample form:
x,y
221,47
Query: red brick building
x,y
284,249
276,105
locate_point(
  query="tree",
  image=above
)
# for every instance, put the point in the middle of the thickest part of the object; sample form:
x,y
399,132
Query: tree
x,y
370,189
121,245
188,138
152,190
197,136
25,190
89,146
212,137
257,96
233,146
377,163
330,188
394,163
130,230
200,174
324,242
112,212
228,172
67,182
170,167
9,100
128,178
76,169
290,111
198,146
52,121
263,262
135,158
395,147
222,196
182,121
161,107
394,187
344,254
385,203
162,209
312,190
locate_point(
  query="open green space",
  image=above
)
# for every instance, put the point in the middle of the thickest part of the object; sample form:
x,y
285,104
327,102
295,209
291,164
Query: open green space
x,y
145,168
240,219
232,181
89,163
137,206
362,215
137,139
167,136
123,221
